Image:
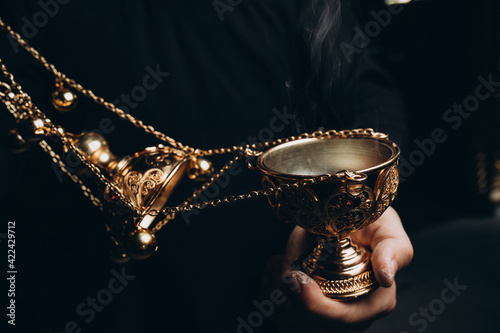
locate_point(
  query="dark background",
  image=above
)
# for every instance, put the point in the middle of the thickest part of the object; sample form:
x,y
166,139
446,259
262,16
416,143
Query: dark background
x,y
435,50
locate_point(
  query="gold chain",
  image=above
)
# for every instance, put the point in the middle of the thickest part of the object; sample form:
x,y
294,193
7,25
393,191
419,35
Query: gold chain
x,y
207,184
22,101
14,96
212,179
110,106
170,212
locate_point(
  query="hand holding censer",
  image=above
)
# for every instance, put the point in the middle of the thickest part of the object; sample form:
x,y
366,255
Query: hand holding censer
x,y
365,181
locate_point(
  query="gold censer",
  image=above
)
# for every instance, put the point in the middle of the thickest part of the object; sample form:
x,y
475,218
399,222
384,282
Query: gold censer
x,y
365,181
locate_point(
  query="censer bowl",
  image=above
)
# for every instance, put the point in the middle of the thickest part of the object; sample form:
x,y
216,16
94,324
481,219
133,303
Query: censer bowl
x,y
363,183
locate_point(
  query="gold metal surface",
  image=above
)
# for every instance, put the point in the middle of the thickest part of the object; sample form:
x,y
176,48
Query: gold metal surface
x,y
145,180
15,143
364,185
140,244
200,169
32,129
63,99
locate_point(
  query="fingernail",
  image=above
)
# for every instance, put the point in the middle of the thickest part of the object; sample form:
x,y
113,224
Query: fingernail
x,y
302,277
296,279
388,271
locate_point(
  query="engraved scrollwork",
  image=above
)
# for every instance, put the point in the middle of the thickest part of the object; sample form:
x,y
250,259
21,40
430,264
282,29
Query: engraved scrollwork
x,y
139,186
132,181
387,185
346,213
300,207
150,181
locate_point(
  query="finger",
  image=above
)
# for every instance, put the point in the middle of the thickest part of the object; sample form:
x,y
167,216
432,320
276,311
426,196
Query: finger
x,y
392,249
388,257
380,302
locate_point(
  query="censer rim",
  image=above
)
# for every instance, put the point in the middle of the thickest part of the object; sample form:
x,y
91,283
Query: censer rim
x,y
395,150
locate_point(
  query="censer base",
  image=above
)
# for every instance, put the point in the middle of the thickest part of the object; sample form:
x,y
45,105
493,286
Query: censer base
x,y
347,289
342,270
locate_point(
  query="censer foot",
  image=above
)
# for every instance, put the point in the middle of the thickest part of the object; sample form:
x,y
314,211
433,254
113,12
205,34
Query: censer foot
x,y
347,289
342,270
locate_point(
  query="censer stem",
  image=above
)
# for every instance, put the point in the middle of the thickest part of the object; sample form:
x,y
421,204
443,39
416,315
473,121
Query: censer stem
x,y
341,268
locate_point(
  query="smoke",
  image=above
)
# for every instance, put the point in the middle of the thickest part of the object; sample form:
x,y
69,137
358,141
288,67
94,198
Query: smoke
x,y
322,28
316,74
310,91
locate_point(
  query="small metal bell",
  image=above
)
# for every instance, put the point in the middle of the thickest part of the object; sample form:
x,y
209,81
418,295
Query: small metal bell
x,y
15,142
32,129
200,169
96,148
64,99
140,244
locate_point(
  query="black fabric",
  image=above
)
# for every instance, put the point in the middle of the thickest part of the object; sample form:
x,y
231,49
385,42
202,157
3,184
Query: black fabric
x,y
226,84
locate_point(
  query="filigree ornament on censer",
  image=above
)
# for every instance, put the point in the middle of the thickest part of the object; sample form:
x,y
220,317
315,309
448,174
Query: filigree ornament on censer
x,y
138,185
346,212
388,182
